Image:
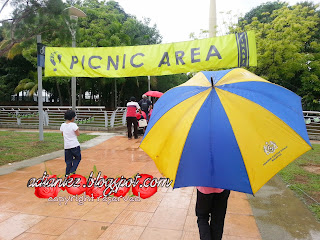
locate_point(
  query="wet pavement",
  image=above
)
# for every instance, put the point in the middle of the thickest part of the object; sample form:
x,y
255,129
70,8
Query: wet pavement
x,y
281,215
274,213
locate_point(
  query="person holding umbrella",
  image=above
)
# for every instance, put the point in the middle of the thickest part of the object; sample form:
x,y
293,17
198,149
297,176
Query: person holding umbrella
x,y
228,129
211,204
145,104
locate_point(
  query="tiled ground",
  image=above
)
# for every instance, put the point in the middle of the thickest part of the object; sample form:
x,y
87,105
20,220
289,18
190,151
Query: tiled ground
x,y
169,214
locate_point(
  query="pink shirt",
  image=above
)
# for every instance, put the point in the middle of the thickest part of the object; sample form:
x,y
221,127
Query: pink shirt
x,y
131,109
208,190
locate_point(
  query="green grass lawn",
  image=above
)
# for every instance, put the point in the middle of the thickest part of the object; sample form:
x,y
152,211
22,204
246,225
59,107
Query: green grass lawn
x,y
18,146
303,177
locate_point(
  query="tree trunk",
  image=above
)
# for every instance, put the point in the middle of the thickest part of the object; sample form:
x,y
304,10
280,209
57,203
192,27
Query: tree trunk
x,y
100,98
111,97
91,96
59,93
69,92
80,95
121,94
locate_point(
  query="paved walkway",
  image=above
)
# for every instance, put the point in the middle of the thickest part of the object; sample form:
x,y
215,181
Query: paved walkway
x,y
169,214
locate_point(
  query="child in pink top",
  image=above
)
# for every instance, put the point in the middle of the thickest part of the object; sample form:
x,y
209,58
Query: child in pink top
x,y
211,205
208,190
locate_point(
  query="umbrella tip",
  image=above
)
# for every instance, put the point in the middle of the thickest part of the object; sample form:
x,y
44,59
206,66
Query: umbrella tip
x,y
212,82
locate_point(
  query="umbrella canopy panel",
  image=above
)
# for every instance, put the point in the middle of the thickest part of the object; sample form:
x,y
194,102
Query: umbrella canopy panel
x,y
228,129
156,94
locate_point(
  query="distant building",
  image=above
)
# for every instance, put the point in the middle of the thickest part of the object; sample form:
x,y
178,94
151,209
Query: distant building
x,y
24,95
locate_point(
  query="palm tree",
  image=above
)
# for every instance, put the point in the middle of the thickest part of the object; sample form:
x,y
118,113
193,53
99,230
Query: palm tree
x,y
30,84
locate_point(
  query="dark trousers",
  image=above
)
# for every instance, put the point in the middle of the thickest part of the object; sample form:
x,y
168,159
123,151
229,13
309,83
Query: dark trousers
x,y
211,207
130,121
72,157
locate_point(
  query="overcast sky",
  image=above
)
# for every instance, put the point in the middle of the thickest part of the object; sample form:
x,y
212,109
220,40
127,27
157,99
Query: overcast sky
x,y
176,19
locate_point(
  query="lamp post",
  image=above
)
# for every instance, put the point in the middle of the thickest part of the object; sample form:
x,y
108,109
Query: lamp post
x,y
40,51
212,19
149,86
74,14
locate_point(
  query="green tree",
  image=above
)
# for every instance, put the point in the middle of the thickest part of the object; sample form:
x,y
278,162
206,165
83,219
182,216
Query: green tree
x,y
30,84
11,72
107,25
164,83
30,18
288,49
262,13
18,35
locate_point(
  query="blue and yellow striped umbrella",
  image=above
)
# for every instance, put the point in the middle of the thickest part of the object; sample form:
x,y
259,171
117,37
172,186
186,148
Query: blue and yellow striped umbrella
x,y
227,129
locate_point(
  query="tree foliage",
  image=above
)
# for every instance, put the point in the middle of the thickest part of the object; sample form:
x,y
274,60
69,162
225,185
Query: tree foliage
x,y
106,25
288,48
11,72
30,18
30,84
261,12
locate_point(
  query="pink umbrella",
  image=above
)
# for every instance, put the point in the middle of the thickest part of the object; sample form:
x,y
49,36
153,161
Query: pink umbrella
x,y
156,94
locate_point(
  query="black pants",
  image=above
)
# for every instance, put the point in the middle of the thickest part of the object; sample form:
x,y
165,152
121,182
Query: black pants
x,y
214,207
130,121
72,157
